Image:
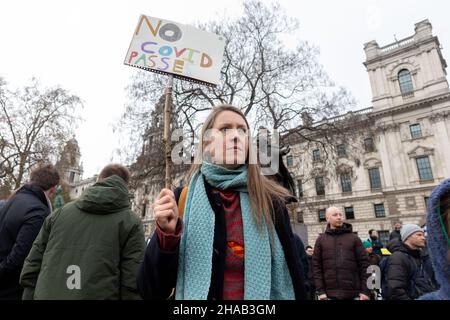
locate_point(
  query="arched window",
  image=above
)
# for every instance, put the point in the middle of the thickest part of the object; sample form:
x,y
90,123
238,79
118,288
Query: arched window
x,y
405,81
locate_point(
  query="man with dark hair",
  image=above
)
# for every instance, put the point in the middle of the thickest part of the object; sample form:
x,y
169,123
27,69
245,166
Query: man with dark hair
x,y
21,219
91,248
375,242
395,234
115,169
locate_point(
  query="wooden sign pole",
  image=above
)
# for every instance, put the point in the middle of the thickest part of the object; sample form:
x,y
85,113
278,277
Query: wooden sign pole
x,y
166,138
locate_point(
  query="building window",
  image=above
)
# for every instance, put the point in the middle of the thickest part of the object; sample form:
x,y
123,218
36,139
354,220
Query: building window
x,y
300,188
405,81
144,211
416,130
424,168
368,145
379,210
71,177
322,216
341,152
346,183
320,186
374,177
316,155
73,159
426,199
290,161
300,217
383,236
349,213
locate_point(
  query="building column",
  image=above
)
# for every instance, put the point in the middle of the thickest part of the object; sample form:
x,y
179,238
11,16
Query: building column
x,y
442,139
437,64
373,83
405,172
384,155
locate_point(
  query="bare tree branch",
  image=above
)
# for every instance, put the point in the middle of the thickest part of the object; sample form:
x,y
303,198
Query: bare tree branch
x,y
35,123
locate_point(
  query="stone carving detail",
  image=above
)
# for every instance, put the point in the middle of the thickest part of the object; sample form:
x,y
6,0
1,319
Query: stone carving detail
x,y
439,116
420,151
387,127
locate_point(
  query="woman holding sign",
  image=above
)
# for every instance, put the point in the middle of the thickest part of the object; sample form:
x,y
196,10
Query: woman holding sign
x,y
227,236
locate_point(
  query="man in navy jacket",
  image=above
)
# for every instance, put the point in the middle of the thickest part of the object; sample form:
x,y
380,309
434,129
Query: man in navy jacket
x,y
21,219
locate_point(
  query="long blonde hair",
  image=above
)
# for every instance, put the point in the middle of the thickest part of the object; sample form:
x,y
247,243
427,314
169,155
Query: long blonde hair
x,y
262,191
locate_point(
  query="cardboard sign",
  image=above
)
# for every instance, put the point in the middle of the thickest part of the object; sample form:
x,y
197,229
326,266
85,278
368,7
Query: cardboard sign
x,y
171,48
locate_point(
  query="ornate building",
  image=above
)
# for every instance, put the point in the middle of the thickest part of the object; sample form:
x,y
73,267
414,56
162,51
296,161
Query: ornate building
x,y
148,171
71,170
399,148
69,162
383,171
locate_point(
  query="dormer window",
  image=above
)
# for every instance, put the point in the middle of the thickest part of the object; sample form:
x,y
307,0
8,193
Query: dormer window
x,y
405,82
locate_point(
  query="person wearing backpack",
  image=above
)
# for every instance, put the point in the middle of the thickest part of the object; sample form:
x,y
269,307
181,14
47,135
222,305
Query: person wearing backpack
x,y
227,236
409,273
91,248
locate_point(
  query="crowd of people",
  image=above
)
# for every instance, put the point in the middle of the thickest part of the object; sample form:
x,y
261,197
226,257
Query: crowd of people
x,y
224,235
346,267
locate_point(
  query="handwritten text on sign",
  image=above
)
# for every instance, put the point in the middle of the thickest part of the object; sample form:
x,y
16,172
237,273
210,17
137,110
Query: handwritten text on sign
x,y
169,47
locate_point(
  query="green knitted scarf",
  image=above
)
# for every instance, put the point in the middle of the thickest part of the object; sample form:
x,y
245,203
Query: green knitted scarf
x,y
266,275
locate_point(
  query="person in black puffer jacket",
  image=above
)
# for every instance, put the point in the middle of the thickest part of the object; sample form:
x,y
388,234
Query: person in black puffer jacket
x,y
340,261
409,273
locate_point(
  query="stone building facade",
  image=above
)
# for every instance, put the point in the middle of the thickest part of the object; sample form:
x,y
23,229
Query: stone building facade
x,y
71,170
398,152
148,172
395,152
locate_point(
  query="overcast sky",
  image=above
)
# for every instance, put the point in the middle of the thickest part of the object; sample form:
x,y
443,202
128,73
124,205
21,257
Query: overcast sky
x,y
81,46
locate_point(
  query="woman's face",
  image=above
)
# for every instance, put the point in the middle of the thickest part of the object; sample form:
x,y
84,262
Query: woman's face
x,y
227,141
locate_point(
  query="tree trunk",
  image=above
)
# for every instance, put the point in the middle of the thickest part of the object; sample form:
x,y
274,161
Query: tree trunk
x,y
167,112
